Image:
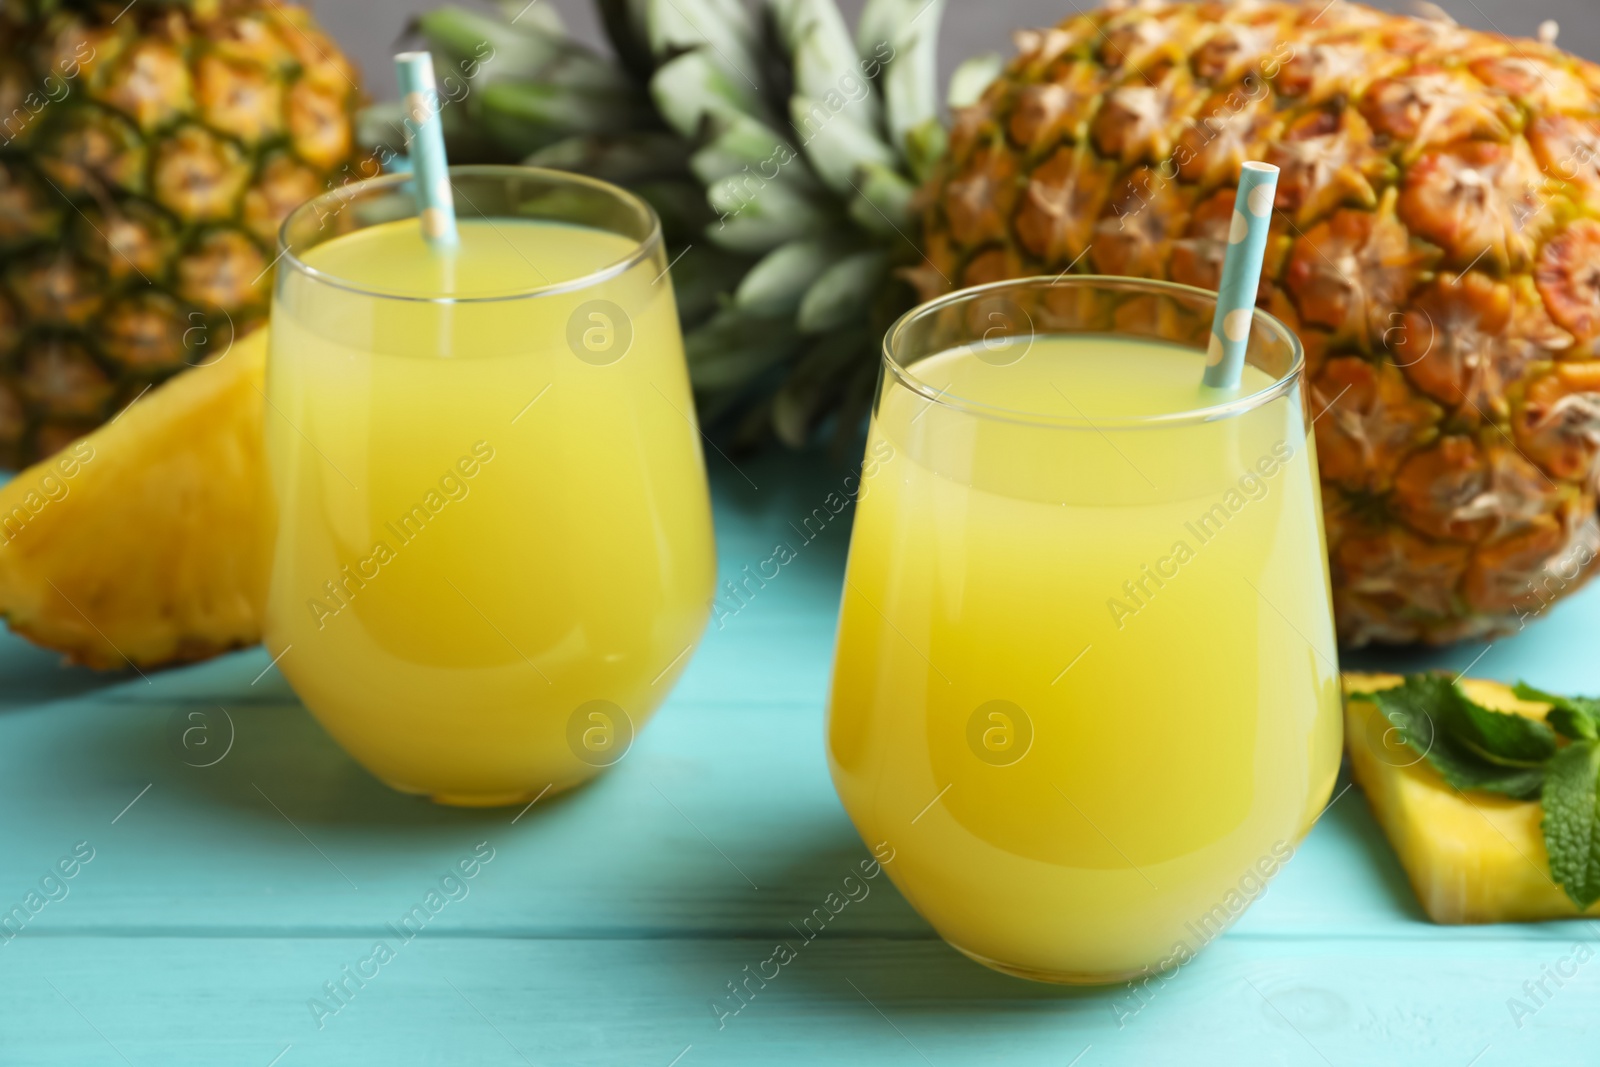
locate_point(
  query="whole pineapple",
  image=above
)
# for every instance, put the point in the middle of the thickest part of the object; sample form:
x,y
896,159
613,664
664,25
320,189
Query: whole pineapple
x,y
1435,247
1436,243
148,152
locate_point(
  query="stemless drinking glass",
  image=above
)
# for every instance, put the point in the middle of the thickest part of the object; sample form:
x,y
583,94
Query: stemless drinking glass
x,y
494,547
1085,699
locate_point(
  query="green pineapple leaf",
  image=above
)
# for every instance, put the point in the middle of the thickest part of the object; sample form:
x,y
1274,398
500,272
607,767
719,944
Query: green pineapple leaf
x,y
694,88
681,203
758,217
836,146
732,348
623,158
880,23
910,80
843,293
972,78
528,116
455,33
533,14
825,66
882,204
925,147
625,25
721,31
741,143
779,280
814,382
701,279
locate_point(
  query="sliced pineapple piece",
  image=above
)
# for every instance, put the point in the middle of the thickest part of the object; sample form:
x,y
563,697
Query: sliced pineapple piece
x,y
1471,857
148,542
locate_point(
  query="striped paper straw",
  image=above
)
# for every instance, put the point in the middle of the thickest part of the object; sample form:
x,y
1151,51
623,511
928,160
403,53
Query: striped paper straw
x,y
430,174
1241,275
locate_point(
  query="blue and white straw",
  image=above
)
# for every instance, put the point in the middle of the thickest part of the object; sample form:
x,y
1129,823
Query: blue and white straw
x,y
430,170
1241,275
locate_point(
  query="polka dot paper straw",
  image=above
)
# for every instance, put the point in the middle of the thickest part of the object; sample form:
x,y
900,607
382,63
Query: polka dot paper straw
x,y
429,168
1241,275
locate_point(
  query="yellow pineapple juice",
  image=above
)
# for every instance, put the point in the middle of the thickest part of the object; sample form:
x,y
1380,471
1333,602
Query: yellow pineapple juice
x,y
1085,688
494,549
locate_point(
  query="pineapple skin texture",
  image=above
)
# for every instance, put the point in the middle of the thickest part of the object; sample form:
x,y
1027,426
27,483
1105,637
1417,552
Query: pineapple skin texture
x,y
158,550
147,158
1470,857
1438,218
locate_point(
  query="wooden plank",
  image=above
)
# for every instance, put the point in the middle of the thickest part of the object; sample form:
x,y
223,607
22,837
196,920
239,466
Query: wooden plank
x,y
447,1000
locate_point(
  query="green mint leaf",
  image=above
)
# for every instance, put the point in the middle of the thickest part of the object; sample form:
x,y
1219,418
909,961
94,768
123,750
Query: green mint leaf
x,y
1571,822
1570,722
1574,717
1502,737
1429,712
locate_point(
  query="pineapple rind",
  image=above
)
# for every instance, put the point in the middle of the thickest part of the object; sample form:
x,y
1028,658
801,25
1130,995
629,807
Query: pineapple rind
x,y
141,188
158,551
1470,857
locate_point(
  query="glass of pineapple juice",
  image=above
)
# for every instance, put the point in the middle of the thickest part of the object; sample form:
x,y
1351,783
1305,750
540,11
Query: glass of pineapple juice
x,y
1085,697
494,549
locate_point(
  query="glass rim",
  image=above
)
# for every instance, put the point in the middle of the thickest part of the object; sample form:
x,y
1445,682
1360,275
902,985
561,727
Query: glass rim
x,y
646,246
894,340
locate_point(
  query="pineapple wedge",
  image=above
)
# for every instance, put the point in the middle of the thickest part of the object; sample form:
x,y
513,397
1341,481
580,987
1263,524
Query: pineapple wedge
x,y
1471,857
148,542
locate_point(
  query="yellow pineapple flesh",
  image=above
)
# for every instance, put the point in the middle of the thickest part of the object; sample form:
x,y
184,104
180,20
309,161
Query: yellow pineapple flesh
x,y
1471,857
1435,246
148,542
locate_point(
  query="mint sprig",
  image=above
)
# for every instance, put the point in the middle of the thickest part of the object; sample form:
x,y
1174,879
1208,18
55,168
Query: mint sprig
x,y
1574,717
1471,746
1474,747
1571,826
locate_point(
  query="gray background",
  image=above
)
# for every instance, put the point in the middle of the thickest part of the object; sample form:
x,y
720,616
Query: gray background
x,y
368,29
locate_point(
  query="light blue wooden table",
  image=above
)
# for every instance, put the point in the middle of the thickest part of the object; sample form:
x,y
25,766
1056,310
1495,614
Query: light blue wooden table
x,y
221,899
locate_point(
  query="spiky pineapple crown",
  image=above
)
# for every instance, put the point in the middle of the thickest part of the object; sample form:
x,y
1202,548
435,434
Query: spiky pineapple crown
x,y
781,150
